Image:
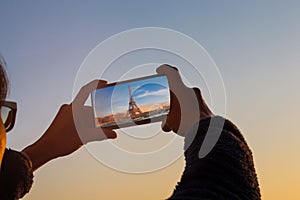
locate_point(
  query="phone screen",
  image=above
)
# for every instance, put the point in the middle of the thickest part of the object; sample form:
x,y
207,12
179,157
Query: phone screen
x,y
132,102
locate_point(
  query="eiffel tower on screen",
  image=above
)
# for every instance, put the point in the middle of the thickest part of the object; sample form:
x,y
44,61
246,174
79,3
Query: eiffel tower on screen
x,y
133,110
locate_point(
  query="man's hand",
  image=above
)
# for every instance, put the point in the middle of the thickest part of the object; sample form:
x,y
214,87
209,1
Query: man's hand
x,y
72,127
187,104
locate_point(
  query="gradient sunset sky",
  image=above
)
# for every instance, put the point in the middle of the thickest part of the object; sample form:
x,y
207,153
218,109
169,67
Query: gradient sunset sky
x,y
255,44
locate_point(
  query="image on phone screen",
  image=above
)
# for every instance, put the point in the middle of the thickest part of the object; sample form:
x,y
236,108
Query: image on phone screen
x,y
133,102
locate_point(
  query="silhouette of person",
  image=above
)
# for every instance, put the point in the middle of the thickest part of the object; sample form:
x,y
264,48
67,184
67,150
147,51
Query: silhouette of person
x,y
60,139
227,171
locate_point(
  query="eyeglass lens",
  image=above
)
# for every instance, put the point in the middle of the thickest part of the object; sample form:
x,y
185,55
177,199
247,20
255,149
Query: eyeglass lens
x,y
5,115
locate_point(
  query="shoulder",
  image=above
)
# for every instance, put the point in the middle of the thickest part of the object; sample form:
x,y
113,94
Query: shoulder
x,y
16,176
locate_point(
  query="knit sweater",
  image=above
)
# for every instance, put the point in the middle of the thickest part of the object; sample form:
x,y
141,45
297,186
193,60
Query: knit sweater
x,y
226,172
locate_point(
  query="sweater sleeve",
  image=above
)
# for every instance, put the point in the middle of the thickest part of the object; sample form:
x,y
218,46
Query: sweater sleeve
x,y
227,172
16,176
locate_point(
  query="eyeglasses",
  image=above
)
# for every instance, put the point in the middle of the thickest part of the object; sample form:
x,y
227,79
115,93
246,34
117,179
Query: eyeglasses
x,y
8,114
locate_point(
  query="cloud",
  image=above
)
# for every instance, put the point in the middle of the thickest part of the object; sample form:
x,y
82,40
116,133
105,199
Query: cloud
x,y
153,93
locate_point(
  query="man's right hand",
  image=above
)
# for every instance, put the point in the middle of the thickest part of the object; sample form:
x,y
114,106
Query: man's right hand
x,y
187,104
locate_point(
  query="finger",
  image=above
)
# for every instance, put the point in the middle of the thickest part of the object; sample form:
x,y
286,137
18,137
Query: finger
x,y
164,125
86,90
173,76
101,83
198,94
63,107
96,134
110,134
204,109
166,67
102,134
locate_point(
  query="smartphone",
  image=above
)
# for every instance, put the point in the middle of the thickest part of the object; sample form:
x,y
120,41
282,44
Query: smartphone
x,y
131,102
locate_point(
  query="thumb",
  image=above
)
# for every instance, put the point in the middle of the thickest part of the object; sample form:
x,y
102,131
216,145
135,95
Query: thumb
x,y
164,125
110,134
97,135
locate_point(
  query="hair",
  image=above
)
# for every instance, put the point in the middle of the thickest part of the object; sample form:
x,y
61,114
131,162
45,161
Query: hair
x,y
3,81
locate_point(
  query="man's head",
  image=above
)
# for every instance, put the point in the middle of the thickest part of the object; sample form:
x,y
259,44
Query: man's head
x,y
3,93
3,81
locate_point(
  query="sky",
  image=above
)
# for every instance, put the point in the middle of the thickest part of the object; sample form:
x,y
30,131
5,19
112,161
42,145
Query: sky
x,y
115,99
255,44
